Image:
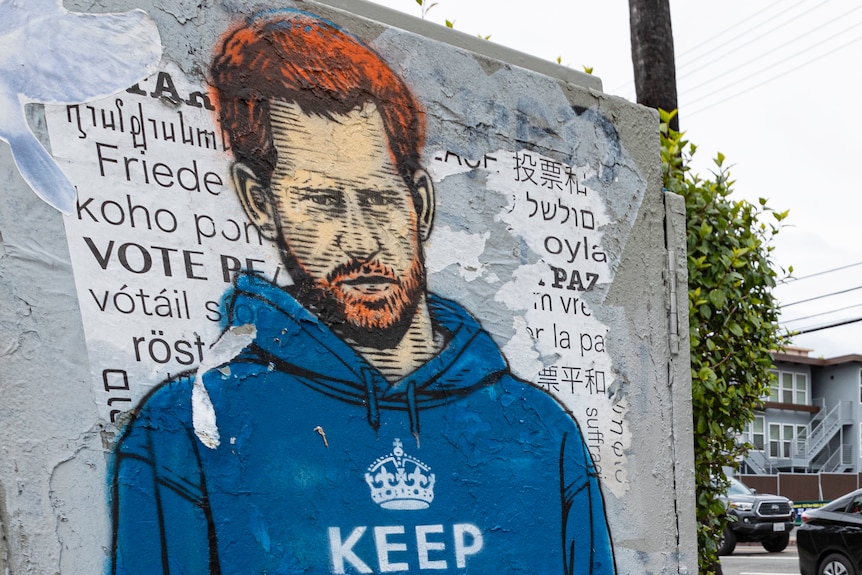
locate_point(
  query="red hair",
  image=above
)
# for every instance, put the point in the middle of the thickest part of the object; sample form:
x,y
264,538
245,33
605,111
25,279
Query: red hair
x,y
296,57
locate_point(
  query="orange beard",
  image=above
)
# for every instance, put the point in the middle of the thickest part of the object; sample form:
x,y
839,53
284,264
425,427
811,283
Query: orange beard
x,y
384,301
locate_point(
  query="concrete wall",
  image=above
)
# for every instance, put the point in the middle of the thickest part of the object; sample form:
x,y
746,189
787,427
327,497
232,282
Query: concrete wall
x,y
337,409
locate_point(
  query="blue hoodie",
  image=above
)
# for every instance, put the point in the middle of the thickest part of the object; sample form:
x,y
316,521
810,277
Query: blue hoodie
x,y
324,467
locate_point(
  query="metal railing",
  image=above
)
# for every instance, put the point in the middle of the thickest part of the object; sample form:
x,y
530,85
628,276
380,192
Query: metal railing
x,y
812,451
760,463
822,429
840,460
821,413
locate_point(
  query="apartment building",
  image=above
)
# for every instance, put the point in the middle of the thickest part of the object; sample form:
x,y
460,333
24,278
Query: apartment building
x,y
810,423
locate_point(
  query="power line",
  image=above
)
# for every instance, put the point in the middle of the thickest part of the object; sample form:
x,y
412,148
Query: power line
x,y
768,80
821,296
821,313
815,274
828,326
852,27
738,47
774,49
629,85
733,27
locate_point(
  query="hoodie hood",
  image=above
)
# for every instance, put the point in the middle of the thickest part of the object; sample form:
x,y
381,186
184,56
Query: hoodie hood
x,y
291,339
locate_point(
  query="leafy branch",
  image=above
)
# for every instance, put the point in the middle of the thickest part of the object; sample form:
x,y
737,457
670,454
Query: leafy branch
x,y
425,7
733,321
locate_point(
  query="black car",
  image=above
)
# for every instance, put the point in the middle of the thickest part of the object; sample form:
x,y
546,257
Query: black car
x,y
829,540
767,519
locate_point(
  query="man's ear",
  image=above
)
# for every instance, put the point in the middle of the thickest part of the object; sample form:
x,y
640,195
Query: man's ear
x,y
255,199
425,212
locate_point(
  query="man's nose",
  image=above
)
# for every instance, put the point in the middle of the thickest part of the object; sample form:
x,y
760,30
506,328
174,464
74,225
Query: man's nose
x,y
358,238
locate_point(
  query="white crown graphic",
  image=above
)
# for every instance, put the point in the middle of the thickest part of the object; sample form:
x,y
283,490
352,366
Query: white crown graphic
x,y
400,481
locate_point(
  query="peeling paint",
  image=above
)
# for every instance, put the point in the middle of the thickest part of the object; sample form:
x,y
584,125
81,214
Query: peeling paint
x,y
231,343
82,57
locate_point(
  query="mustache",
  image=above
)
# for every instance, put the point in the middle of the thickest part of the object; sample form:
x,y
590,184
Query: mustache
x,y
356,268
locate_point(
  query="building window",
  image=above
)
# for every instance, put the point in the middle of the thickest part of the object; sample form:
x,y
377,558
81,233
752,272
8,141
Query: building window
x,y
790,387
786,440
773,386
786,392
801,389
755,432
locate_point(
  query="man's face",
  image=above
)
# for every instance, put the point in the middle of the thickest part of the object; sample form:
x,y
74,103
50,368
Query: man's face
x,y
345,218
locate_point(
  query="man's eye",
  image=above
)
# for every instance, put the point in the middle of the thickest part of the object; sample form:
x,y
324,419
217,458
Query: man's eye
x,y
375,198
323,198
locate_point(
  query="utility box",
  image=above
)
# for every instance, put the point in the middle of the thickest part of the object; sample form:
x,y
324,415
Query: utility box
x,y
317,287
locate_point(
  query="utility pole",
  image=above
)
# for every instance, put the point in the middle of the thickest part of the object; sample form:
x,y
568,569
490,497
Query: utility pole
x,y
652,55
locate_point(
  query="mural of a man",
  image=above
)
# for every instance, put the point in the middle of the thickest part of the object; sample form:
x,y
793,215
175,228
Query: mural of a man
x,y
371,426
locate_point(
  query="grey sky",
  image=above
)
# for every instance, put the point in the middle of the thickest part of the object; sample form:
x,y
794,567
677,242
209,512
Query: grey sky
x,y
771,85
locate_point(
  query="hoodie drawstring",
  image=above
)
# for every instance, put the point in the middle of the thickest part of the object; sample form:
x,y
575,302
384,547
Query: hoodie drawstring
x,y
373,406
412,410
371,399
